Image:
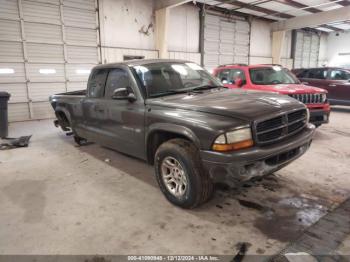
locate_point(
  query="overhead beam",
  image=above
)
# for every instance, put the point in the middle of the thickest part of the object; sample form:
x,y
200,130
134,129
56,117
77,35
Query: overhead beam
x,y
299,5
343,3
260,9
313,20
160,4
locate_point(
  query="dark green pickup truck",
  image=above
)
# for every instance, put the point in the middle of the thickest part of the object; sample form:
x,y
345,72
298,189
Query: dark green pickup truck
x,y
175,115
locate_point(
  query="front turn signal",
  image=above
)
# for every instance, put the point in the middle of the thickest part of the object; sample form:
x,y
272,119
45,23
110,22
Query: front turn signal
x,y
233,146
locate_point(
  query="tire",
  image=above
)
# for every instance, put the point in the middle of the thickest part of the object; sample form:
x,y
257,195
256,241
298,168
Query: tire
x,y
79,140
196,186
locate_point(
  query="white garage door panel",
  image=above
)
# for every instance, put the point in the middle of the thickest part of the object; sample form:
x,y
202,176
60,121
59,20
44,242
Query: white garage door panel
x,y
42,91
241,59
78,72
54,2
39,12
75,86
306,49
42,110
16,73
46,72
241,50
76,54
227,39
45,53
81,36
18,92
79,18
84,4
9,9
43,33
51,51
225,59
226,48
18,112
10,30
11,51
211,32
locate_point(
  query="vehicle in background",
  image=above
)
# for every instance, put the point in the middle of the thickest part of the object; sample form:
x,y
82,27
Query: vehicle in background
x,y
177,116
275,78
335,80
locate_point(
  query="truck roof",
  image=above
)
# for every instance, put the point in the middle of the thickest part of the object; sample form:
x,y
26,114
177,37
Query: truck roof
x,y
138,62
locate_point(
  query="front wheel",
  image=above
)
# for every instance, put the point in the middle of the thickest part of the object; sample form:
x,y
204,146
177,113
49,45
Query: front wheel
x,y
180,174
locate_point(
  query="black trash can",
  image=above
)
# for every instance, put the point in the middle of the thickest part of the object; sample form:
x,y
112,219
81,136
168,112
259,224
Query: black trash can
x,y
4,98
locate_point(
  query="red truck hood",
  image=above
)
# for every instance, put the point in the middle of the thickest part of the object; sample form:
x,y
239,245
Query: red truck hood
x,y
292,89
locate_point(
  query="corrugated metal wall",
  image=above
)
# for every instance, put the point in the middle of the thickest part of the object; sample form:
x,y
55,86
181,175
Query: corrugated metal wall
x,y
46,47
225,41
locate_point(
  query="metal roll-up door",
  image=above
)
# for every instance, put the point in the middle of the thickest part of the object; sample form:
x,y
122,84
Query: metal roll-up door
x,y
226,41
307,45
46,47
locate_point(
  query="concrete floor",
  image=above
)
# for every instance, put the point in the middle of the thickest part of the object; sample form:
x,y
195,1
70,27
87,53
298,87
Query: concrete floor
x,y
58,198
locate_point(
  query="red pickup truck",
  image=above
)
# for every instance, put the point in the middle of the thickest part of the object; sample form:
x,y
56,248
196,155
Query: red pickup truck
x,y
275,78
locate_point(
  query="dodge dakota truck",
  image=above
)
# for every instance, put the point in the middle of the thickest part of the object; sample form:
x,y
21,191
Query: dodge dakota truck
x,y
177,116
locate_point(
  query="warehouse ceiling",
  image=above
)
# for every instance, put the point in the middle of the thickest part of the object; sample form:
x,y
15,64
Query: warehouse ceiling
x,y
277,10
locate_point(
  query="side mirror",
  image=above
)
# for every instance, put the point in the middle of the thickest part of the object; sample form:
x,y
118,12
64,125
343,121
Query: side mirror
x,y
123,94
239,82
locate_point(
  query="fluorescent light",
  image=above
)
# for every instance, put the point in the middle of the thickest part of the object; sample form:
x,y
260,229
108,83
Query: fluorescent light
x,y
7,71
47,71
83,71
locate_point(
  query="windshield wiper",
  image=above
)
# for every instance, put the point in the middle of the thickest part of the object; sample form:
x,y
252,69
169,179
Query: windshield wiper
x,y
205,87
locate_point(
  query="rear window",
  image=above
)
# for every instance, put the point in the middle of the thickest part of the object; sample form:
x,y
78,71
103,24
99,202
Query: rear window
x,y
97,83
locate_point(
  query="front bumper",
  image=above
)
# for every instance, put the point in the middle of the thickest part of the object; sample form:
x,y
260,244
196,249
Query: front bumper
x,y
319,113
318,117
256,161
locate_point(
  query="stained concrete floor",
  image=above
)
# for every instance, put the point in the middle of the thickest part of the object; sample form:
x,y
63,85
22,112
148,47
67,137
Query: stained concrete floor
x,y
58,198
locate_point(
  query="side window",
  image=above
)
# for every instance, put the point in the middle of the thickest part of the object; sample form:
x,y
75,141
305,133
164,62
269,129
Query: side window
x,y
97,83
117,78
302,74
237,73
340,75
319,73
224,75
230,75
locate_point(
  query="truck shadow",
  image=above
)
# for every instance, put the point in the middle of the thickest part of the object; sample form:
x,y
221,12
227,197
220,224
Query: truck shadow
x,y
277,206
342,109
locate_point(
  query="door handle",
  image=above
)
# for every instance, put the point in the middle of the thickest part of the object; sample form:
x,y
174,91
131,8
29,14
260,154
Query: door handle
x,y
332,85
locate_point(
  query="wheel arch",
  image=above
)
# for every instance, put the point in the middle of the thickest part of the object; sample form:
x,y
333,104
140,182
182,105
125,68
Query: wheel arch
x,y
160,133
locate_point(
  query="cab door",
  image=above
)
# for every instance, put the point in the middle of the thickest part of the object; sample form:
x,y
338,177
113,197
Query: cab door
x,y
122,126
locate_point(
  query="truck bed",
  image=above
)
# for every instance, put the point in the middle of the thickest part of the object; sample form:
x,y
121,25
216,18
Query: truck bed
x,y
73,93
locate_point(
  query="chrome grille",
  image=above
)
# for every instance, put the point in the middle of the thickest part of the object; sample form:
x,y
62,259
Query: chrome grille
x,y
308,98
274,129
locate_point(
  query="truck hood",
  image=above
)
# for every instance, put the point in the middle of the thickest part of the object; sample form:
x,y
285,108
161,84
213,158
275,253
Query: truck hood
x,y
243,104
288,89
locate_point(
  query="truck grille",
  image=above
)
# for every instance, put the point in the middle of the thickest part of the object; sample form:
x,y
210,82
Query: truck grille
x,y
308,98
274,129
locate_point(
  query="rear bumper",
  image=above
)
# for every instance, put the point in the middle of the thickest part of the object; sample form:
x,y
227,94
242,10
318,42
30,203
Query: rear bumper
x,y
256,161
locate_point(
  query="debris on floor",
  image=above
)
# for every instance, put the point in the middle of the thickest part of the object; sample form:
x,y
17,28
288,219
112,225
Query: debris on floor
x,y
242,248
10,143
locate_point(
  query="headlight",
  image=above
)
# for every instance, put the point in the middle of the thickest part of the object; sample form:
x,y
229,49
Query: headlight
x,y
233,140
323,98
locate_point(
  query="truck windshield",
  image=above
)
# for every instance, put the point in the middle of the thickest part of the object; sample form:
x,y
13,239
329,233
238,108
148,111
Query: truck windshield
x,y
167,78
272,76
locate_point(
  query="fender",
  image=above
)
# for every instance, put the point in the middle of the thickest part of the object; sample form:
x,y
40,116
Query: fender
x,y
65,111
173,128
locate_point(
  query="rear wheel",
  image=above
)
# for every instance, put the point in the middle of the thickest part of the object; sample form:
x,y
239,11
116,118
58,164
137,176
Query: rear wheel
x,y
180,174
